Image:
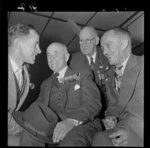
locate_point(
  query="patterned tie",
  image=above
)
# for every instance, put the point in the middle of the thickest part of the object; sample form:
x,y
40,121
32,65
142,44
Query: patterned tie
x,y
92,63
118,78
55,79
20,85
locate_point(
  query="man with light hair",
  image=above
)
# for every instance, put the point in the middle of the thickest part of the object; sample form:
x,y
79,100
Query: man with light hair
x,y
23,47
73,97
125,90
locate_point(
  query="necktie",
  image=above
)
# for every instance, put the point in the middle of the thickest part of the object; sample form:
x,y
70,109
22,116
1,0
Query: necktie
x,y
55,79
19,77
118,77
23,82
92,63
20,84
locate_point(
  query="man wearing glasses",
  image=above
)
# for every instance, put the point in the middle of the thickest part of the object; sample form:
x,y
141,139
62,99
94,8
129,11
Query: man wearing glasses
x,y
91,56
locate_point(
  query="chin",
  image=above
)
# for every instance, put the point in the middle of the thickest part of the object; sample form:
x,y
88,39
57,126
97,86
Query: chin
x,y
32,62
86,53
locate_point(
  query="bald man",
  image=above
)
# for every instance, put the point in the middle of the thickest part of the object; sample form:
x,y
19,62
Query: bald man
x,y
91,56
75,99
125,89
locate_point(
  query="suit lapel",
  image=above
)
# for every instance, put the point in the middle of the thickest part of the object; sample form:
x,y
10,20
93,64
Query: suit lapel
x,y
86,62
68,72
128,80
26,88
12,92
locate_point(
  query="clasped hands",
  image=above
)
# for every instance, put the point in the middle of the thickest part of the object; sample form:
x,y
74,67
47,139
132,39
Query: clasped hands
x,y
61,129
118,138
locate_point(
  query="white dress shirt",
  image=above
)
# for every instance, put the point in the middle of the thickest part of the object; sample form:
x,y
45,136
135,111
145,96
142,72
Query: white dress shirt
x,y
17,71
62,73
120,73
124,65
94,58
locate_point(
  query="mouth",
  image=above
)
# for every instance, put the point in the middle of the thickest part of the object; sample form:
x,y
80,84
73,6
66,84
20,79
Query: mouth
x,y
108,56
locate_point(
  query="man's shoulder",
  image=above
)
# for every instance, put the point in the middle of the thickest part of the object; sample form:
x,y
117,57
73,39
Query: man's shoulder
x,y
139,58
47,81
78,61
78,55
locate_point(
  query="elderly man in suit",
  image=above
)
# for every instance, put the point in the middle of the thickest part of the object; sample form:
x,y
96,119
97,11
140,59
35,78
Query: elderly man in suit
x,y
92,57
73,97
23,46
125,89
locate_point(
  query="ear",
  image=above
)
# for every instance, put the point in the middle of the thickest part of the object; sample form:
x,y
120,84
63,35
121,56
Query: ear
x,y
17,44
97,40
67,57
124,44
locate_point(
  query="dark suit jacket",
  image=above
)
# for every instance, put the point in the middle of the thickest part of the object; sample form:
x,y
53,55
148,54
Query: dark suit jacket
x,y
12,98
82,104
80,61
128,104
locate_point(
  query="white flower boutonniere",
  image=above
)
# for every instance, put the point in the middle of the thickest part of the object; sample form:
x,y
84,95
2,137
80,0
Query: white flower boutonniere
x,y
77,86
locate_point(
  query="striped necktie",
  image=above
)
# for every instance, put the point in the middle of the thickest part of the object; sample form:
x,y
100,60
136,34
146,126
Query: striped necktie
x,y
92,63
118,78
21,89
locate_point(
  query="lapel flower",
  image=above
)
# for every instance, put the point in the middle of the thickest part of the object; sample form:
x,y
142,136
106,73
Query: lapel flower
x,y
71,78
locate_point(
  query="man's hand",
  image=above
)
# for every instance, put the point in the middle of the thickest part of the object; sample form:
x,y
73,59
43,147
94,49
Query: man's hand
x,y
61,129
109,122
119,138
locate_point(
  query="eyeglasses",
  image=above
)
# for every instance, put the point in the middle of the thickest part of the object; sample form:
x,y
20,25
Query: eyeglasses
x,y
87,41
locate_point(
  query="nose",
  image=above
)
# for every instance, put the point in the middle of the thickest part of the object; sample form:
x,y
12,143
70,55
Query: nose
x,y
105,51
38,50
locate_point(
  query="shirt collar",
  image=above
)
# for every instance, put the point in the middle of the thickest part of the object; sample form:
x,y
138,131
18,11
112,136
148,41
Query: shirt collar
x,y
93,56
124,65
62,72
15,67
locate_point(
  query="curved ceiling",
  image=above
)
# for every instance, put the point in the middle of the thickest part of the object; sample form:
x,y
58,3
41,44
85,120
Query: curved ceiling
x,y
53,26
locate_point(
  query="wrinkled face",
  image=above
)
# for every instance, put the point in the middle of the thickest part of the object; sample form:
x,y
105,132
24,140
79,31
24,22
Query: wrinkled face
x,y
29,47
111,47
56,59
87,42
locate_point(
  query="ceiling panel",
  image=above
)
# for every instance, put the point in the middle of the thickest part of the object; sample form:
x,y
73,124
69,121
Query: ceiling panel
x,y
27,18
106,20
78,17
134,18
58,31
137,31
44,13
74,45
